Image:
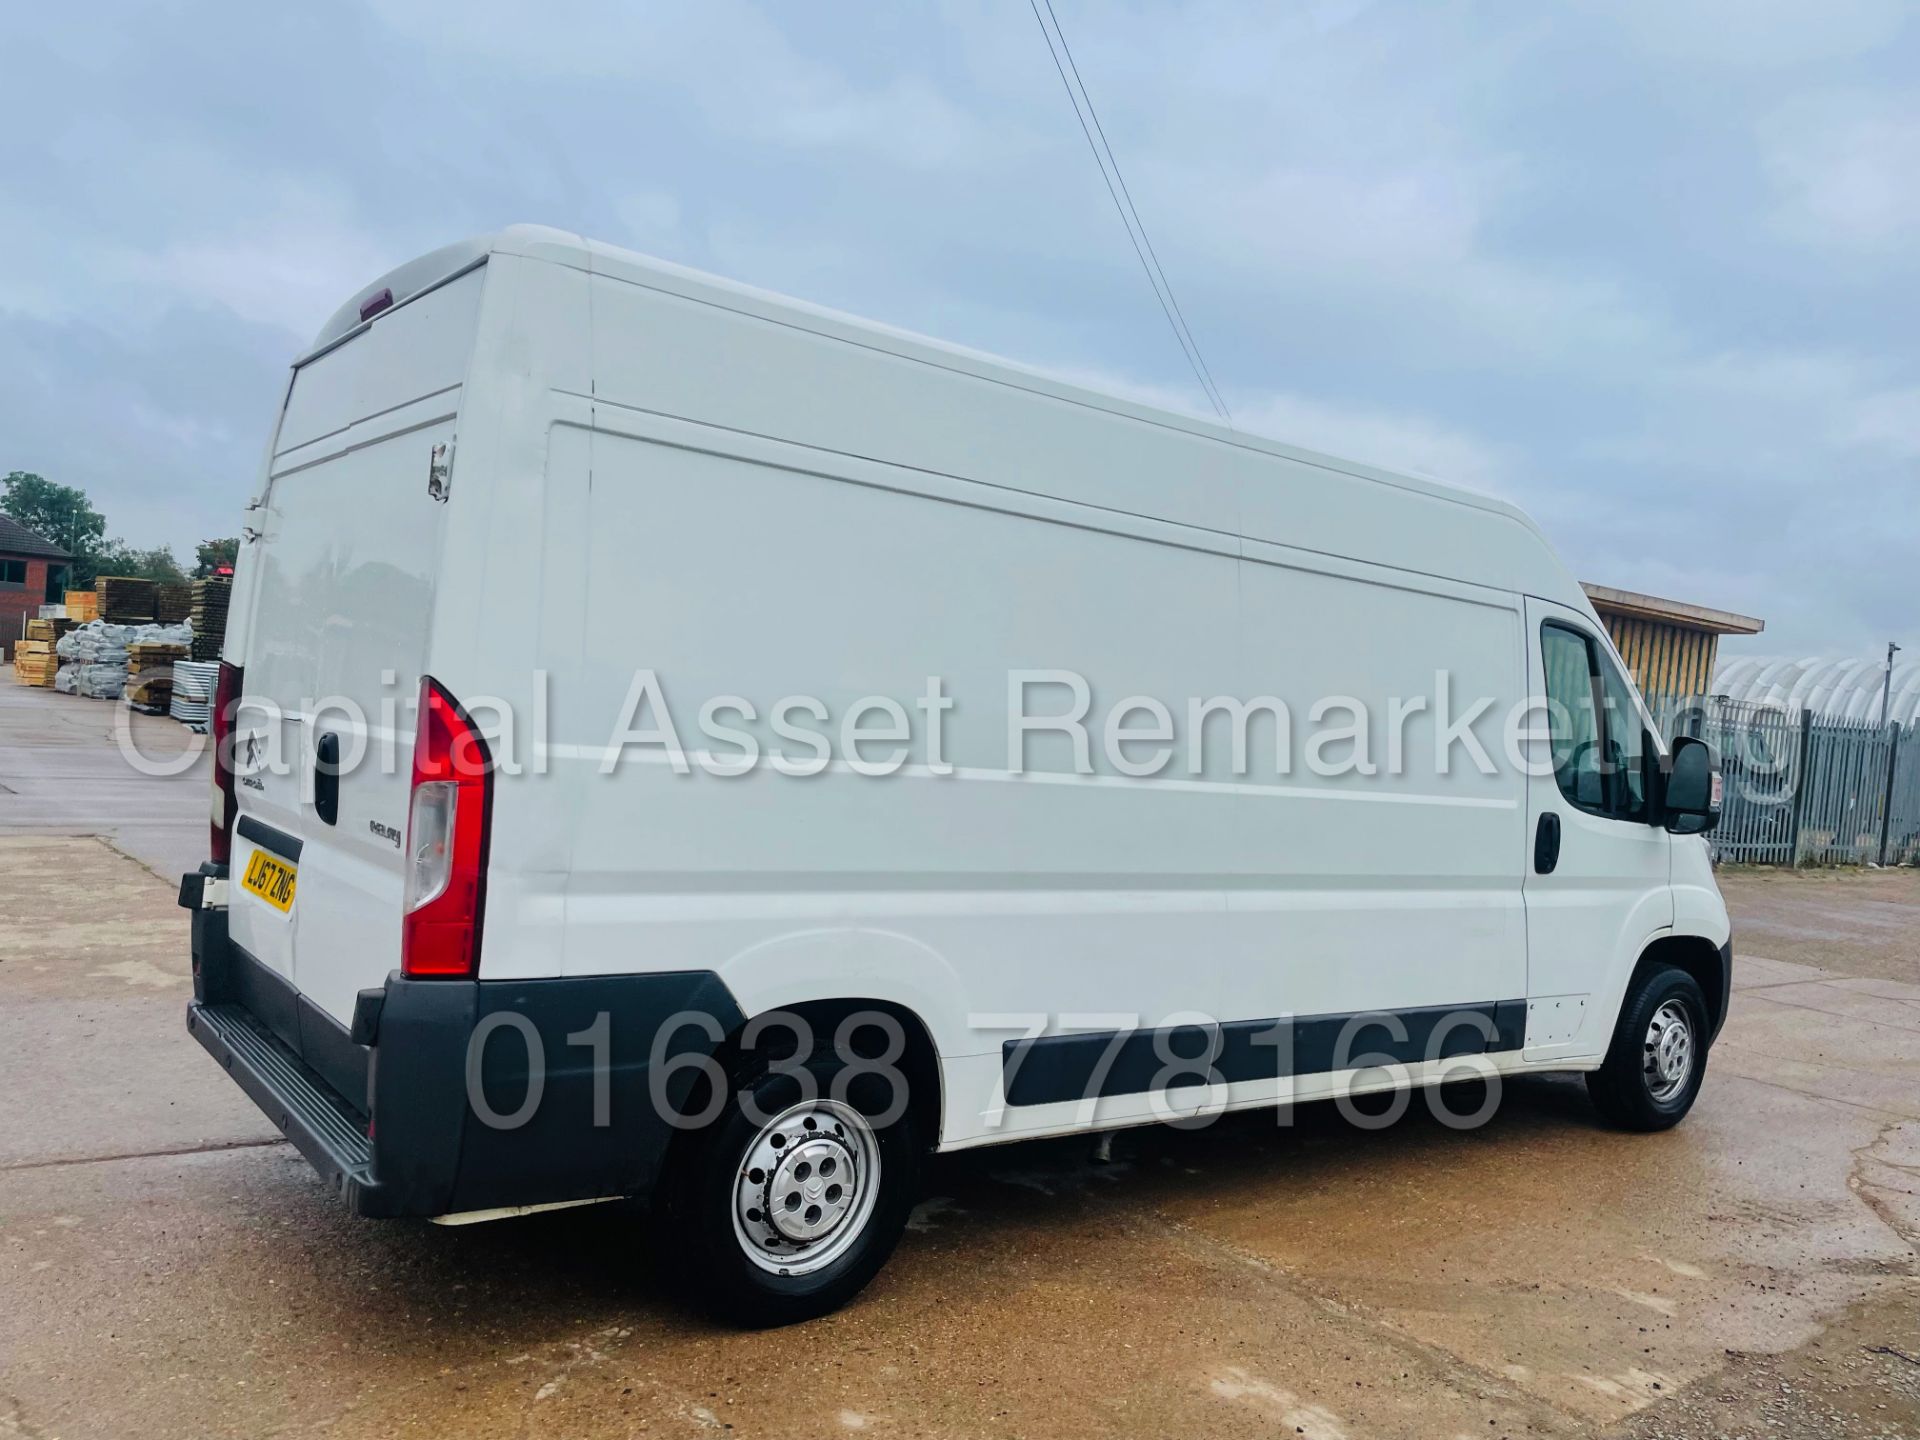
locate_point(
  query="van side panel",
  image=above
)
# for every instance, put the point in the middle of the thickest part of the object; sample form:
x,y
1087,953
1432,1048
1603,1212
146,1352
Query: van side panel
x,y
1049,899
978,889
900,519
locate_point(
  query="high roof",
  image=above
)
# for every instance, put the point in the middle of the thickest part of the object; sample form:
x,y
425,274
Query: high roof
x,y
561,247
16,539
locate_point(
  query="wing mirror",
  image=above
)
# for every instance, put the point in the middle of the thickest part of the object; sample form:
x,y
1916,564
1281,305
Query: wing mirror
x,y
1694,787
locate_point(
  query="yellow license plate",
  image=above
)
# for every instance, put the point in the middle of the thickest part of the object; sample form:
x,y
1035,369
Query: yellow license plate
x,y
271,878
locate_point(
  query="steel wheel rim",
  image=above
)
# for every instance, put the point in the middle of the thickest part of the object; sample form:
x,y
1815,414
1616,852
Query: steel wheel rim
x,y
806,1186
1667,1061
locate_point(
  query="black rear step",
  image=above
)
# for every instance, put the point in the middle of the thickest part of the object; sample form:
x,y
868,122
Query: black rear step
x,y
330,1133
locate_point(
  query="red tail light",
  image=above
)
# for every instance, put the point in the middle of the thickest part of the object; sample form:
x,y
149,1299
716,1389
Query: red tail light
x,y
447,828
226,699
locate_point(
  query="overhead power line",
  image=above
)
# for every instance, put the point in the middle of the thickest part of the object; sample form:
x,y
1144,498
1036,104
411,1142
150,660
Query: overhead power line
x,y
1122,198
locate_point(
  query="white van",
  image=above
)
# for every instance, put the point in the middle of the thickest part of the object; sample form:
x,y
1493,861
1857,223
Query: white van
x,y
676,742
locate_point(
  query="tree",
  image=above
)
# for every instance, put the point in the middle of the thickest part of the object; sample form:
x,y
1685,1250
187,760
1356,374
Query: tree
x,y
116,557
59,513
212,554
64,515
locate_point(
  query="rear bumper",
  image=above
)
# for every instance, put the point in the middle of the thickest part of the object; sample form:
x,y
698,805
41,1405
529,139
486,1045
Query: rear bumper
x,y
473,1094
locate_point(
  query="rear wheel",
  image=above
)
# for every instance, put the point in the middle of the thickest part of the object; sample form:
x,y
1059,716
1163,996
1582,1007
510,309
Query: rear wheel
x,y
790,1202
1658,1057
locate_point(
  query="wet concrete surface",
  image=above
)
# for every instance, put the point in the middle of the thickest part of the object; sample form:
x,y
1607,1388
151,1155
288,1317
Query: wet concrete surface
x,y
168,1267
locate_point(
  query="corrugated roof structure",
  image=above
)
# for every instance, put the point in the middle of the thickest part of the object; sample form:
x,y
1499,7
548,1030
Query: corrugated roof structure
x,y
1847,688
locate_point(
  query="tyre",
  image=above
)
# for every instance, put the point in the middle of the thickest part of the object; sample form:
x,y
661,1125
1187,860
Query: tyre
x,y
790,1201
1658,1056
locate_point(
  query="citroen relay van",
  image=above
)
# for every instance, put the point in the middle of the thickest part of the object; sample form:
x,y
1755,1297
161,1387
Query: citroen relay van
x,y
680,745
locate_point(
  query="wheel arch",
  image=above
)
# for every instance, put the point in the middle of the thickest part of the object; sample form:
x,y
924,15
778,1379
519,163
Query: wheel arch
x,y
1710,965
919,1062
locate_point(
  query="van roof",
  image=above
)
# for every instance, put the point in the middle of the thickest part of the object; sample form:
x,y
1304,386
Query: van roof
x,y
563,247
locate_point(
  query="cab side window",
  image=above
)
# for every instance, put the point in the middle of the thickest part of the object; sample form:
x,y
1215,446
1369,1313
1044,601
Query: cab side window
x,y
1573,718
1599,746
1626,741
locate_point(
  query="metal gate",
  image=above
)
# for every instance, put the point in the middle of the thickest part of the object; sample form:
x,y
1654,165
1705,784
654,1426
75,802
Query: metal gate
x,y
1806,790
1903,827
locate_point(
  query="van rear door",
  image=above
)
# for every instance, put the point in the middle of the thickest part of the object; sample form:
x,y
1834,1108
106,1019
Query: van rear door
x,y
345,558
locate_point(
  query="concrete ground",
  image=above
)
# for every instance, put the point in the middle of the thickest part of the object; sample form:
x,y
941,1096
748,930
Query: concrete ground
x,y
62,772
169,1268
1857,921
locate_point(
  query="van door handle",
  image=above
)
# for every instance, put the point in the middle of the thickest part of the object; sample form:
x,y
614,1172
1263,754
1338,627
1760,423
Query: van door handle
x,y
326,777
1546,843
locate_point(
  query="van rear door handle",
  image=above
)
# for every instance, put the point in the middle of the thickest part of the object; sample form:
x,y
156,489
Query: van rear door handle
x,y
1546,843
326,777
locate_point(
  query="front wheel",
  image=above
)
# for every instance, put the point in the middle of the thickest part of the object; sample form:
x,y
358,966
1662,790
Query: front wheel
x,y
790,1202
1658,1057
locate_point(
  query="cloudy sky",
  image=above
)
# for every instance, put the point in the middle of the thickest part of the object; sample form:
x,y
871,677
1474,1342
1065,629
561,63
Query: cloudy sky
x,y
1650,269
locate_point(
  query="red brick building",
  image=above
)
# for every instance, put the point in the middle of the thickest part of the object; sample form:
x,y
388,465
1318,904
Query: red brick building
x,y
25,581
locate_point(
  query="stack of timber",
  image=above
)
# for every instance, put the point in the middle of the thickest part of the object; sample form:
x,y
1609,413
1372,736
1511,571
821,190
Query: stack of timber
x,y
150,674
48,630
83,605
209,616
173,603
34,662
125,600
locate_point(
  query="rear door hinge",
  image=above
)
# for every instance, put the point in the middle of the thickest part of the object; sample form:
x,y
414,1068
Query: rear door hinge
x,y
440,472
